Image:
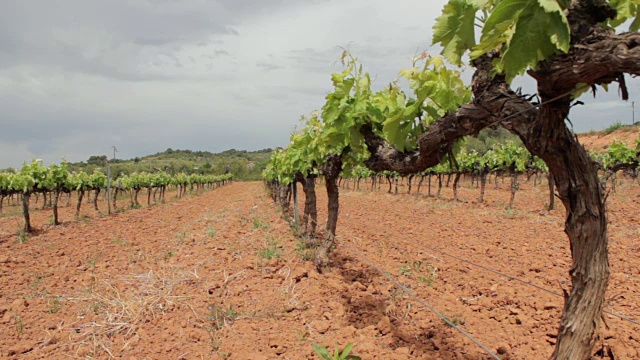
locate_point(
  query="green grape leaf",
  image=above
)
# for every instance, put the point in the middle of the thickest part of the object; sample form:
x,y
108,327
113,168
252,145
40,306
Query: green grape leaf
x,y
526,31
454,29
395,132
499,26
625,9
635,25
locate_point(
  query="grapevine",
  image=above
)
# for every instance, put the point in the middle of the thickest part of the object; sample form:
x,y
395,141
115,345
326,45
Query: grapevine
x,y
35,178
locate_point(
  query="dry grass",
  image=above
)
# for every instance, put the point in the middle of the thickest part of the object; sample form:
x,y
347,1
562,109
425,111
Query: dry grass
x,y
118,307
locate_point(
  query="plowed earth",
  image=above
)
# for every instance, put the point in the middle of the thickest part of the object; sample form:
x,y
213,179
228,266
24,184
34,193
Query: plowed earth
x,y
220,275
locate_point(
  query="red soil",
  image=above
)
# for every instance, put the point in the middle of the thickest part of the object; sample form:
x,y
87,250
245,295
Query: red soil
x,y
189,279
600,140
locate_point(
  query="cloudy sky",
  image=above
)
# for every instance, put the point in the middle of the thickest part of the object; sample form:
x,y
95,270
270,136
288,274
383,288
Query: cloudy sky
x,y
78,76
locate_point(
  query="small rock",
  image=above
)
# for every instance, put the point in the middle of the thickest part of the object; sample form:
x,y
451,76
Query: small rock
x,y
384,325
322,326
7,317
19,303
358,286
503,349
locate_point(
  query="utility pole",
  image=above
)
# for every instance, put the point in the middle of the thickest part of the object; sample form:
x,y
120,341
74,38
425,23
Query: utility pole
x,y
109,181
633,113
108,188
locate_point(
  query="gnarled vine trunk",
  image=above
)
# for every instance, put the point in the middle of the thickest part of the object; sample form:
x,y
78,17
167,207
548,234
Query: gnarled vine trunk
x,y
331,170
25,211
483,185
456,180
513,188
310,216
576,179
420,184
96,193
79,203
56,195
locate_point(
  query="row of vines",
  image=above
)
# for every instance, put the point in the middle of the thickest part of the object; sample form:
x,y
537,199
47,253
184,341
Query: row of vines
x,y
36,179
502,160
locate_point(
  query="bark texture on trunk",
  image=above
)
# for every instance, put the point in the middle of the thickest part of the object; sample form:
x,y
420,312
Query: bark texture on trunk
x,y
514,187
25,211
576,178
456,180
483,185
310,213
331,170
56,195
552,191
79,203
115,197
96,193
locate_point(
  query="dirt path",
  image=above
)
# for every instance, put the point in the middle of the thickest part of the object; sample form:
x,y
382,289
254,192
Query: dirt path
x,y
220,276
173,281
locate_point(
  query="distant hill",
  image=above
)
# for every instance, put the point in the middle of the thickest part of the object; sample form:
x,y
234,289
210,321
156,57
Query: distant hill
x,y
244,165
599,140
248,165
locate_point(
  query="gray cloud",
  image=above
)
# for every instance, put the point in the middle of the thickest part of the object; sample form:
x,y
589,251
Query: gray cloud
x,y
267,66
125,40
77,76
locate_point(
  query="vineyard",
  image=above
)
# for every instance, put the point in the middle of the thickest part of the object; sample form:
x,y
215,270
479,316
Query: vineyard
x,y
568,48
53,181
390,226
221,275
